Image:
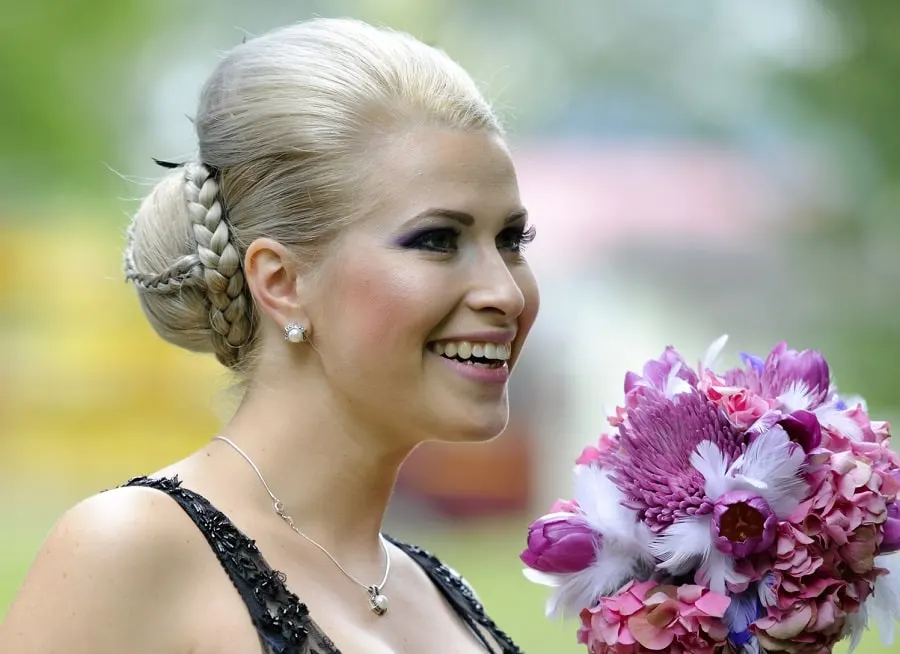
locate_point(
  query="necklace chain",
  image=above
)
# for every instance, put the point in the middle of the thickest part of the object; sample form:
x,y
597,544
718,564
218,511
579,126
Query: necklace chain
x,y
373,590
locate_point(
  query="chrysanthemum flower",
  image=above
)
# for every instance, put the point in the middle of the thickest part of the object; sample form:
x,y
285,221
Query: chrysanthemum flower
x,y
652,466
594,453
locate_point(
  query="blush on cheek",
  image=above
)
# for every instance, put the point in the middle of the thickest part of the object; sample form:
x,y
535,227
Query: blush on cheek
x,y
375,320
383,305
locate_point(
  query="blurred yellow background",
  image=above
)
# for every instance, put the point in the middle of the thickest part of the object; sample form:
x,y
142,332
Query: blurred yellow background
x,y
692,169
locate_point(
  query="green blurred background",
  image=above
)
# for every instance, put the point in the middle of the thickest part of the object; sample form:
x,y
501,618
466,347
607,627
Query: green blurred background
x,y
693,168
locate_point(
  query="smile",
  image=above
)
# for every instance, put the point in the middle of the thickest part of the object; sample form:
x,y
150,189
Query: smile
x,y
484,354
484,362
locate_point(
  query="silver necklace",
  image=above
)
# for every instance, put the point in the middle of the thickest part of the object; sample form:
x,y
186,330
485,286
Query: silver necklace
x,y
378,603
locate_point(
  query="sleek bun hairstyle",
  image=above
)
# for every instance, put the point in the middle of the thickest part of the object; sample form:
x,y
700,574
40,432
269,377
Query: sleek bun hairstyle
x,y
284,124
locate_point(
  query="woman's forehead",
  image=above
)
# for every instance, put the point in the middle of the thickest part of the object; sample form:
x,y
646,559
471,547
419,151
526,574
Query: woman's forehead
x,y
469,172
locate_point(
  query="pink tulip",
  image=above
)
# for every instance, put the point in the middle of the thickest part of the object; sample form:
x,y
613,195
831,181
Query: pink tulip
x,y
560,543
743,524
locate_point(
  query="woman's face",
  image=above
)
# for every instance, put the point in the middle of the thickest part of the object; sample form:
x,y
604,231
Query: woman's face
x,y
423,306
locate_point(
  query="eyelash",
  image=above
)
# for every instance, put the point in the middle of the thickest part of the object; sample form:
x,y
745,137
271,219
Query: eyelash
x,y
522,237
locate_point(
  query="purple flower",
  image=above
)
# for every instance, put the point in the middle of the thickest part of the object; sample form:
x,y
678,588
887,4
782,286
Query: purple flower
x,y
891,541
803,428
754,362
800,379
743,524
652,466
789,371
561,542
657,373
744,610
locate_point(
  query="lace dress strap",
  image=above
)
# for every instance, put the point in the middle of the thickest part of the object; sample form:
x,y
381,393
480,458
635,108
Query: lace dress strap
x,y
281,620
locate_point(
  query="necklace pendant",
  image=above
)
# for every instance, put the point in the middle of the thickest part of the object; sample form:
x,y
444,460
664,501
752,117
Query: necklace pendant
x,y
377,602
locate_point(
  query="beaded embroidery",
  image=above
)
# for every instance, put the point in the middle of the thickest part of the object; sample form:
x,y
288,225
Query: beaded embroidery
x,y
280,618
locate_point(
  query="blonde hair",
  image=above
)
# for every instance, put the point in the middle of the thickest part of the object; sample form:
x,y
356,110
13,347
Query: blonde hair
x,y
283,124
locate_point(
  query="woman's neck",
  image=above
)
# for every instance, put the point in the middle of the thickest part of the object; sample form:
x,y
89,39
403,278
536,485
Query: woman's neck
x,y
334,476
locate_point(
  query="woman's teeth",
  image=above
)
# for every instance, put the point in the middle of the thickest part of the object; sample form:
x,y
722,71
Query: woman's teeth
x,y
494,353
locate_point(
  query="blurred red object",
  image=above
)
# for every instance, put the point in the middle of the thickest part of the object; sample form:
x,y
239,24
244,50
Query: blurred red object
x,y
472,479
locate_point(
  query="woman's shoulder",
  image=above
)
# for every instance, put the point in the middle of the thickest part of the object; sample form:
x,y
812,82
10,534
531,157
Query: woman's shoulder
x,y
133,526
108,569
128,529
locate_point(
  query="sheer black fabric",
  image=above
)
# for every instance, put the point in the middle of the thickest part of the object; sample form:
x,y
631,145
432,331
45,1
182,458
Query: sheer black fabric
x,y
282,621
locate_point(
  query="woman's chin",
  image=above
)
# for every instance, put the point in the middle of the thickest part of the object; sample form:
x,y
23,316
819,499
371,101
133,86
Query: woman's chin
x,y
477,427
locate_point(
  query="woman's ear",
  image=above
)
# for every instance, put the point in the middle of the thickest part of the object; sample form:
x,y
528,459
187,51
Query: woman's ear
x,y
275,281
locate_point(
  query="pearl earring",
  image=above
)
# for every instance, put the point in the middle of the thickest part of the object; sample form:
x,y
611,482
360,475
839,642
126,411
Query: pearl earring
x,y
295,333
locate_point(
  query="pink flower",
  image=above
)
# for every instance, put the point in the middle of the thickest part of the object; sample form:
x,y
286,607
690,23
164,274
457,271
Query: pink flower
x,y
648,617
823,563
561,542
588,456
847,494
592,454
815,618
797,555
811,601
794,633
873,432
742,406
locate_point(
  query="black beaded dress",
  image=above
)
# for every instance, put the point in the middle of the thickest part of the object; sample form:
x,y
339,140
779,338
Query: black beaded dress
x,y
282,621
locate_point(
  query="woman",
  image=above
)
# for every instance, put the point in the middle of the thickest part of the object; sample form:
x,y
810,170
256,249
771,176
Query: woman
x,y
349,240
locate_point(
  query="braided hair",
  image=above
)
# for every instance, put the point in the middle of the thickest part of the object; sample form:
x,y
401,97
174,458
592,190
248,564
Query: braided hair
x,y
214,267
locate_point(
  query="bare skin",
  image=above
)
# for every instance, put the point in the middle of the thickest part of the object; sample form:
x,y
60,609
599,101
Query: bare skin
x,y
327,425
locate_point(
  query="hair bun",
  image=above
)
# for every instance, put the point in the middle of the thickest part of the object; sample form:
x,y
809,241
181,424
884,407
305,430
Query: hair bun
x,y
181,258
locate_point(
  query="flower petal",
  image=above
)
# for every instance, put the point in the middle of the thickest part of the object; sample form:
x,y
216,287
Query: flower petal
x,y
713,604
653,638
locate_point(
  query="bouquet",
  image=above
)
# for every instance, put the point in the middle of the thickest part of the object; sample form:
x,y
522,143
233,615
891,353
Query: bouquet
x,y
754,510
